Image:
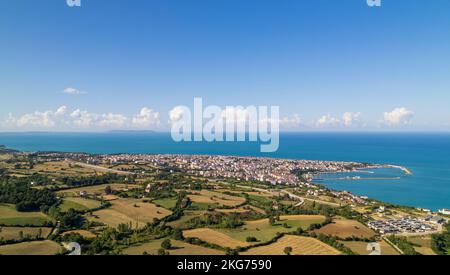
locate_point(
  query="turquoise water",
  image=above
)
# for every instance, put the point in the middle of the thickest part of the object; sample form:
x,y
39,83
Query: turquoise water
x,y
426,155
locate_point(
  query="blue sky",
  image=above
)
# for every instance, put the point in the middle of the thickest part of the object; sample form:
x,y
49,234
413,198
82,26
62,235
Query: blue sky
x,y
385,68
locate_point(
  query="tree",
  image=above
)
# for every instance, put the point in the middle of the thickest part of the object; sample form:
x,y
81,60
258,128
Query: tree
x,y
108,190
178,234
162,252
124,228
288,250
272,220
166,244
251,239
71,219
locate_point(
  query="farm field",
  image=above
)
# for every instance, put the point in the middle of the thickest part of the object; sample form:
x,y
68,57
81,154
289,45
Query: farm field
x,y
345,228
239,210
181,222
179,248
215,198
260,198
167,203
62,168
129,210
86,234
263,231
10,217
300,246
423,244
78,203
361,248
31,248
214,237
96,189
260,229
13,233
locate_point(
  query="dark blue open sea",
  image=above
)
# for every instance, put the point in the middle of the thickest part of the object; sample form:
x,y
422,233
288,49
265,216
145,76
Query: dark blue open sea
x,y
426,155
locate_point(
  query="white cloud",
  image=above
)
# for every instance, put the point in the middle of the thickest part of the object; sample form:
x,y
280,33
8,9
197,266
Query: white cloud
x,y
83,119
62,119
61,111
398,116
37,119
328,121
112,120
291,122
73,91
350,119
176,114
146,117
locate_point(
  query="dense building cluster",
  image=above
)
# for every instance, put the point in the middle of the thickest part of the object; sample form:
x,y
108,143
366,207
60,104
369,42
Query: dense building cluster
x,y
407,225
274,171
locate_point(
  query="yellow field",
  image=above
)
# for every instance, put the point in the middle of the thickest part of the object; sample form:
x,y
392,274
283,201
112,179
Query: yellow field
x,y
109,197
97,190
31,248
214,237
300,246
9,216
344,228
206,196
129,210
179,248
12,233
86,234
62,168
361,248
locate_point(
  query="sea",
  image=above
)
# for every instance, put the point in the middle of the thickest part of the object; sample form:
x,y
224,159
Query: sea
x,y
427,155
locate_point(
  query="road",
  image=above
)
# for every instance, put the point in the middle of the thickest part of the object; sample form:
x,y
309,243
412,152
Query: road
x,y
291,195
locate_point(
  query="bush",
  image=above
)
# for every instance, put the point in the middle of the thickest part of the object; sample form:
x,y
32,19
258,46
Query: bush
x,y
251,239
166,244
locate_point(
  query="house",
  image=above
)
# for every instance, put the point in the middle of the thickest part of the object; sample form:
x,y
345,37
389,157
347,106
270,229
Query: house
x,y
148,188
437,220
444,211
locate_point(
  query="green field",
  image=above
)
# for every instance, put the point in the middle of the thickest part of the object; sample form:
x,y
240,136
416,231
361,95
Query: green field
x,y
168,203
10,216
361,247
259,199
422,244
203,205
80,204
181,223
263,231
179,248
